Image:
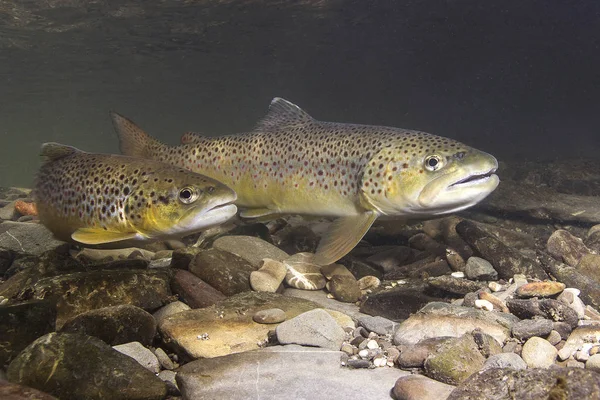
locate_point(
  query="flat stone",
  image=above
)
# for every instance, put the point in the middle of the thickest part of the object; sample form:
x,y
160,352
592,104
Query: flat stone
x,y
454,360
250,248
344,288
224,271
527,328
194,291
8,212
579,336
164,360
141,354
331,270
21,324
12,391
505,360
443,319
227,327
379,325
589,265
454,285
26,239
481,270
170,309
566,247
147,289
312,328
93,255
114,325
529,384
414,356
85,368
419,387
269,316
320,297
540,289
506,260
545,308
269,277
302,373
538,353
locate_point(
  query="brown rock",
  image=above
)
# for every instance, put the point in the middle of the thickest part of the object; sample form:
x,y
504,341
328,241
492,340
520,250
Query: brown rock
x,y
540,289
567,248
194,291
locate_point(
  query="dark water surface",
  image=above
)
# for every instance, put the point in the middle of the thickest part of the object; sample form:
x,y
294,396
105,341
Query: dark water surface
x,y
517,79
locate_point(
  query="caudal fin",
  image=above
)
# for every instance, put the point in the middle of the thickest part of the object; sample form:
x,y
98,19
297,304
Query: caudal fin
x,y
133,141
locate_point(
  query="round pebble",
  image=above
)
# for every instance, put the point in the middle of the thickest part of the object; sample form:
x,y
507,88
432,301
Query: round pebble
x,y
372,344
368,282
538,353
380,361
479,269
484,305
495,286
554,338
269,316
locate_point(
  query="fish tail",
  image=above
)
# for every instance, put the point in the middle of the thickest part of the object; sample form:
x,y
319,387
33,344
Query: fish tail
x,y
133,141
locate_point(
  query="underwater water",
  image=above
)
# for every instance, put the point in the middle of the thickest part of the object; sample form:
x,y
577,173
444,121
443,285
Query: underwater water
x,y
520,80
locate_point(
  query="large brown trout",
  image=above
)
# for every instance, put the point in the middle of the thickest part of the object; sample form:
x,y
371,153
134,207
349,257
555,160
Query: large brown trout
x,y
293,164
103,198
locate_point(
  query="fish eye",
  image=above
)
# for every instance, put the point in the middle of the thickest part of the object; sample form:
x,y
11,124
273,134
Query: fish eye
x,y
188,195
433,163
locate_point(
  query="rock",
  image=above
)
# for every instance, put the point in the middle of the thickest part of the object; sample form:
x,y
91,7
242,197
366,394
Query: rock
x,y
312,328
570,296
530,384
379,325
142,355
454,360
540,289
506,261
302,373
227,327
269,277
567,248
194,291
390,259
269,316
454,285
344,288
302,274
21,324
589,266
479,269
296,239
359,268
114,325
321,298
579,336
593,363
442,319
182,258
331,270
563,329
163,359
538,353
251,249
414,356
546,308
455,260
399,302
12,391
368,282
423,242
8,212
488,346
170,309
25,239
527,328
419,387
91,256
495,301
505,360
86,368
147,289
571,277
224,271
553,337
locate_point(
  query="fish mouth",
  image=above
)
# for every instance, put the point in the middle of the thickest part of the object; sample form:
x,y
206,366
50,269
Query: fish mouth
x,y
474,179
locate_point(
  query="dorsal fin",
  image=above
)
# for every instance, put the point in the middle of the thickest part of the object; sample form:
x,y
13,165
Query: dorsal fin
x,y
283,114
52,151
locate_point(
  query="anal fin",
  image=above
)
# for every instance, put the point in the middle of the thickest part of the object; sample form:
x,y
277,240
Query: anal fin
x,y
100,236
342,236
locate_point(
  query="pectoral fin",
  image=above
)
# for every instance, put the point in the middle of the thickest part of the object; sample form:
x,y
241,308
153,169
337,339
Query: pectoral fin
x,y
100,236
342,236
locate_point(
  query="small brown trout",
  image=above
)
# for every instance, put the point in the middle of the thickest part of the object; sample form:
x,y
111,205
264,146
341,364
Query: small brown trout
x,y
102,198
292,163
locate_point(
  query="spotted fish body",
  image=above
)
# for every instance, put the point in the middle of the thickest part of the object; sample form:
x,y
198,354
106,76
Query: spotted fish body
x,y
294,164
102,198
